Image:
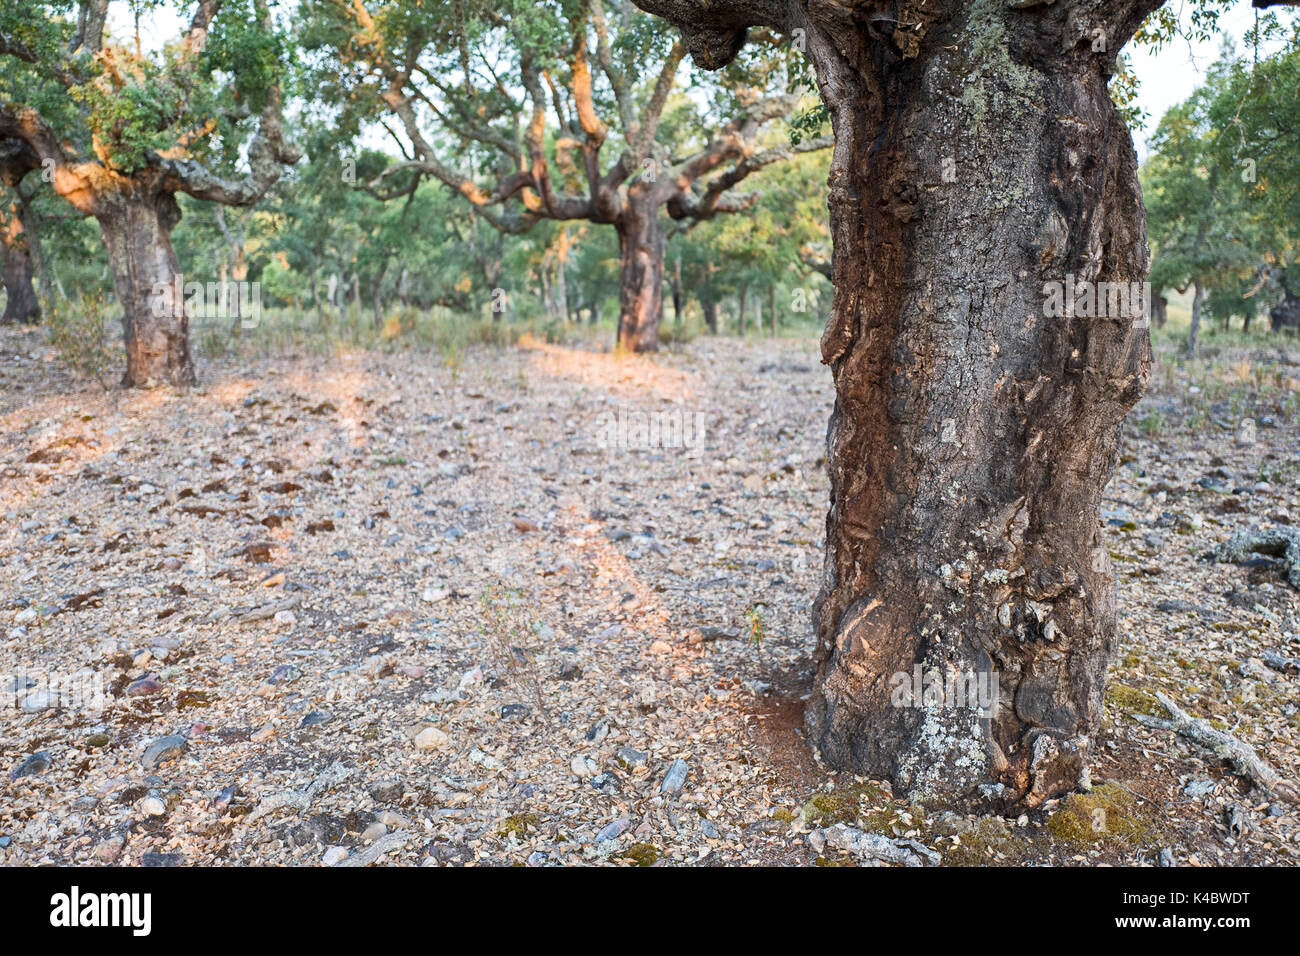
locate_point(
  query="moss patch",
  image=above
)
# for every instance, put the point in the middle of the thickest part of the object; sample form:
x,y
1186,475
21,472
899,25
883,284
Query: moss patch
x,y
1108,814
641,854
1133,701
518,825
985,844
839,806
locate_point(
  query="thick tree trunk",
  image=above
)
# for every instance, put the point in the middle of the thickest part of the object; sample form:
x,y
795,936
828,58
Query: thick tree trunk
x,y
21,304
137,233
1159,311
641,277
709,306
972,434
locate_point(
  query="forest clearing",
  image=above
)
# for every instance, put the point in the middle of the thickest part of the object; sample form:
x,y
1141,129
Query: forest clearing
x,y
454,550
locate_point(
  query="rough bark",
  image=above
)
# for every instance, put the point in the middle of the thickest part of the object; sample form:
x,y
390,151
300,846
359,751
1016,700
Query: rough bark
x,y
641,277
709,306
137,227
972,435
19,245
21,304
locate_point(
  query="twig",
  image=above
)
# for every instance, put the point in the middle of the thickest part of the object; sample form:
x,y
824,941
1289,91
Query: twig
x,y
370,854
300,800
267,610
1242,755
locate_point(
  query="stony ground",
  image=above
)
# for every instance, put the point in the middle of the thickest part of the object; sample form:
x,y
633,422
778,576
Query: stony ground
x,y
375,607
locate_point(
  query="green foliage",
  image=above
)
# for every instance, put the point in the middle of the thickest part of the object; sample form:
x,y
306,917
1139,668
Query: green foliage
x,y
1221,186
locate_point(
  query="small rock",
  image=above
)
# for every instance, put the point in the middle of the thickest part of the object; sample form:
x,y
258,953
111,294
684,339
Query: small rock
x,y
613,830
631,758
284,674
583,767
144,687
108,850
431,738
1167,857
1198,788
38,762
510,711
285,618
334,856
373,832
162,750
153,806
675,777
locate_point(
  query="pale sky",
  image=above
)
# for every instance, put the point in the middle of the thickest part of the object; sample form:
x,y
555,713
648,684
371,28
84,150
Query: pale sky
x,y
1169,76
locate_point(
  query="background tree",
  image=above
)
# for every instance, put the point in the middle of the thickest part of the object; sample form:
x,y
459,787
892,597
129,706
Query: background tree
x,y
19,239
122,130
524,98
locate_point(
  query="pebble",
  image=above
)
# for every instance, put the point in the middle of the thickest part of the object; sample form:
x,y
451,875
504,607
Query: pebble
x,y
109,850
675,777
144,687
613,830
631,758
431,738
284,674
162,750
583,766
153,806
285,618
373,832
386,791
334,856
38,762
